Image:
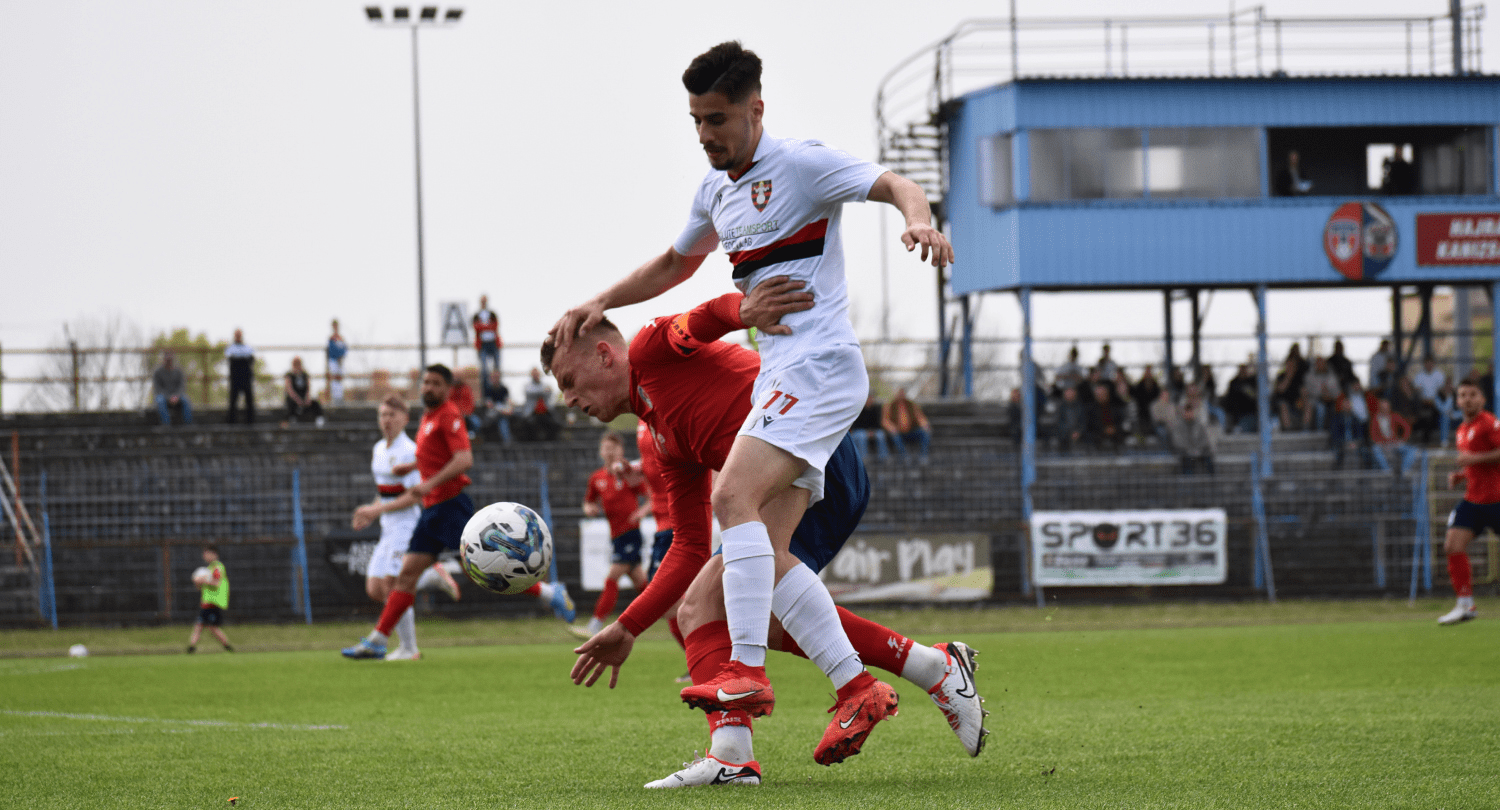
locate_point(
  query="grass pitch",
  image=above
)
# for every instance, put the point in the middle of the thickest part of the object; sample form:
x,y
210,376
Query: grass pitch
x,y
1163,706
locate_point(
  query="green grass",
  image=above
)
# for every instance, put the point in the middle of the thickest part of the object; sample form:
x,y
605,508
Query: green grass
x,y
1194,706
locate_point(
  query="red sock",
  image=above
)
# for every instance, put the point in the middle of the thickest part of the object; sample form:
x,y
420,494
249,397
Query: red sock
x,y
878,646
606,603
676,632
1461,574
708,650
534,590
861,681
395,605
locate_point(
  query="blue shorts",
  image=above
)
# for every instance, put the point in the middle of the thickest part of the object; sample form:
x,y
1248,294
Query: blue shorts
x,y
827,524
659,545
627,547
1476,517
441,526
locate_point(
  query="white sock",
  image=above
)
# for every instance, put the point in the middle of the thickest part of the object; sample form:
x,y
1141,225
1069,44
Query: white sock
x,y
429,580
1466,602
377,637
801,601
925,666
452,566
749,576
732,744
546,593
406,628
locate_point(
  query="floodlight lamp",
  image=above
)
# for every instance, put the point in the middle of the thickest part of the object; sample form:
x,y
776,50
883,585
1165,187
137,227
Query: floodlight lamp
x,y
453,15
400,13
429,14
372,13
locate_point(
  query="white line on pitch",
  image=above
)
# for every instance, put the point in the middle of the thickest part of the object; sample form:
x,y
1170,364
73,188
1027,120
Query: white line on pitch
x,y
104,718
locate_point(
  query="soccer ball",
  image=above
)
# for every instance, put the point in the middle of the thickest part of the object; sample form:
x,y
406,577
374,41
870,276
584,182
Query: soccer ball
x,y
506,548
78,651
202,576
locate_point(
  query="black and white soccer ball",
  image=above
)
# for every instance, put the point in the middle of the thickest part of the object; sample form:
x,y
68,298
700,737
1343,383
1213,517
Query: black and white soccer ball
x,y
506,548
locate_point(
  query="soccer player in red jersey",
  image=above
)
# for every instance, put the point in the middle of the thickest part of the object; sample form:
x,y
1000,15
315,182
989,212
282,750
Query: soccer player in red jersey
x,y
689,389
443,459
1479,471
616,491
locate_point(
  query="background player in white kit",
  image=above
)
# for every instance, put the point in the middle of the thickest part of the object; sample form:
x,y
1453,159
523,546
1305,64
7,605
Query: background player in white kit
x,y
774,204
393,462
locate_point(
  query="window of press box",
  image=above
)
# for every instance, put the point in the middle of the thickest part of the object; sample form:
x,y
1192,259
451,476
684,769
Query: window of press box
x,y
996,186
1354,161
1188,162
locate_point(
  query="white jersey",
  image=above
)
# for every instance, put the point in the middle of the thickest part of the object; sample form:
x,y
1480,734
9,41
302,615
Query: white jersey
x,y
782,218
402,450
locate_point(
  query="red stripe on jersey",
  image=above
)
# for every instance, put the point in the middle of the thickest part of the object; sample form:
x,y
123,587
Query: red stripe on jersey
x,y
812,232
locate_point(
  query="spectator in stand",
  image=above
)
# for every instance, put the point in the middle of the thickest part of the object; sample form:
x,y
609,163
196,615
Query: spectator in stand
x,y
336,350
1104,425
1013,415
1071,421
1349,429
1240,406
1146,391
462,397
1210,388
241,377
866,428
1194,396
300,404
1448,412
1321,392
1429,382
1389,432
1342,366
1069,374
1176,381
1106,366
1486,382
1289,181
1163,412
487,338
1192,440
1382,365
1286,393
497,410
538,424
169,390
904,422
1406,401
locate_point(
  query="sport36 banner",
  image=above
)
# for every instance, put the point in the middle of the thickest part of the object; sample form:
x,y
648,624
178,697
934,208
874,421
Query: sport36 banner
x,y
1146,547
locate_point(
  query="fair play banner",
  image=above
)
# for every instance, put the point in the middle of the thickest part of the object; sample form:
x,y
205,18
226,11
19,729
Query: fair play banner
x,y
937,567
1139,547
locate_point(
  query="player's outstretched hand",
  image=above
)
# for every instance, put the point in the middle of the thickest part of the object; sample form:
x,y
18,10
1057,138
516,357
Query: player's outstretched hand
x,y
932,241
364,516
770,300
607,649
574,321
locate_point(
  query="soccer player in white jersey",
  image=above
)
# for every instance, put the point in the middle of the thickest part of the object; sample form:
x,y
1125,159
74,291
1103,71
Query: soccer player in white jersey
x,y
393,462
774,205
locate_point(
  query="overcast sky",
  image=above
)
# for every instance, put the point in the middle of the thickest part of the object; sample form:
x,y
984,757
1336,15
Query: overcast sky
x,y
231,163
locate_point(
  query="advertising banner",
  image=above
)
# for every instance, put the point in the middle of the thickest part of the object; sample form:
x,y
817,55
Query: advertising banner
x,y
1446,240
1139,547
912,568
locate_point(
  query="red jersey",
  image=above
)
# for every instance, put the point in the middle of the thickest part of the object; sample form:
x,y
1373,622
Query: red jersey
x,y
486,329
618,498
1481,435
439,438
462,397
693,394
651,469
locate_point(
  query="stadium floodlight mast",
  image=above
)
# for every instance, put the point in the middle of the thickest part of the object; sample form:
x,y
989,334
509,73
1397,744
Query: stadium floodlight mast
x,y
402,17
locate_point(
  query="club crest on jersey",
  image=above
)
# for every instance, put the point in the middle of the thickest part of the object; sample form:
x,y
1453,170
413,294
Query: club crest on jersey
x,y
760,194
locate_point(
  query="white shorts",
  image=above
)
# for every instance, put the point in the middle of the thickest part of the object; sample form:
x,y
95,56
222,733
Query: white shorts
x,y
805,408
335,367
395,535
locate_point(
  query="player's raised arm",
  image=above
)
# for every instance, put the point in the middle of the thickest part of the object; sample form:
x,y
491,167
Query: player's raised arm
x,y
651,279
911,201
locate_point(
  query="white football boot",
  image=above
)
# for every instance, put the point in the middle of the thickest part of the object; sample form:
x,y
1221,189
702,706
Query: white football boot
x,y
957,697
1457,615
708,770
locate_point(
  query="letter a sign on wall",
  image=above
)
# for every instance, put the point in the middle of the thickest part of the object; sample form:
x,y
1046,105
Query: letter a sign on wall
x,y
455,322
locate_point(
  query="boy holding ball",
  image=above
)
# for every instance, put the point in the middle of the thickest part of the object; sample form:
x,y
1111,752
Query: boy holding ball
x,y
214,581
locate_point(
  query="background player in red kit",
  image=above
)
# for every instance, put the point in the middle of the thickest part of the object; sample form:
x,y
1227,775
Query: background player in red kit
x,y
1479,471
443,459
688,388
616,492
